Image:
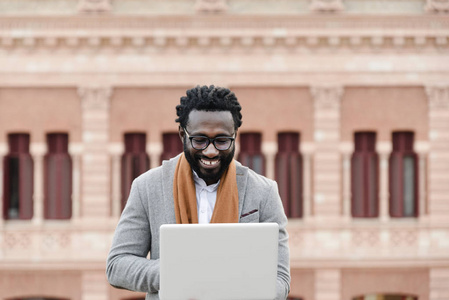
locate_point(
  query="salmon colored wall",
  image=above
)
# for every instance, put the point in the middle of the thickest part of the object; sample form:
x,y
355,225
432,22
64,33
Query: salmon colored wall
x,y
273,109
151,110
121,294
55,284
302,284
384,109
38,111
363,282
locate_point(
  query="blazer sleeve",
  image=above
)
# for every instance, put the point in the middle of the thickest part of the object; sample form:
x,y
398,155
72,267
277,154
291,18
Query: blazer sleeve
x,y
127,266
273,211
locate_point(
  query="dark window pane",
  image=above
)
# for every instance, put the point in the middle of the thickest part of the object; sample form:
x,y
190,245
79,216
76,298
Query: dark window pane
x,y
13,211
38,298
251,152
172,145
288,173
386,297
18,179
403,176
364,176
135,161
58,178
409,186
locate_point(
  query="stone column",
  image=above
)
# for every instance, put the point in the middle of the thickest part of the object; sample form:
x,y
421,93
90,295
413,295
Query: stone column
x,y
95,161
384,151
38,151
211,6
94,286
439,289
116,154
307,150
76,151
94,6
346,150
327,284
422,149
327,160
154,151
269,150
326,5
438,164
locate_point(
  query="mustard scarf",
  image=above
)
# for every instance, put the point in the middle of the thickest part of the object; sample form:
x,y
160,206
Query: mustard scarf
x,y
184,193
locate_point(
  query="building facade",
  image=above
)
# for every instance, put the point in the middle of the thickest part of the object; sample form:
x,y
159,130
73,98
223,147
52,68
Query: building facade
x,y
345,104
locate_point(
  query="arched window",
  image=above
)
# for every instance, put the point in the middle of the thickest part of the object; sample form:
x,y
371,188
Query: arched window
x,y
57,178
403,176
288,173
38,298
172,145
251,152
365,176
386,297
18,178
135,161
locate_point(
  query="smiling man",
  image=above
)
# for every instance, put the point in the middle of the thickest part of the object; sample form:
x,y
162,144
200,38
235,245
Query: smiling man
x,y
204,184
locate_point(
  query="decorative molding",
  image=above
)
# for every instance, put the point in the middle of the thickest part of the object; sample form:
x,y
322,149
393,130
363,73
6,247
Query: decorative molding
x,y
211,6
326,5
327,97
135,42
438,96
425,33
439,6
366,242
94,98
94,6
331,22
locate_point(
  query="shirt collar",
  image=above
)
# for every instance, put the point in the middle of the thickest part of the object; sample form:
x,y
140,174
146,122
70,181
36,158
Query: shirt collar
x,y
202,184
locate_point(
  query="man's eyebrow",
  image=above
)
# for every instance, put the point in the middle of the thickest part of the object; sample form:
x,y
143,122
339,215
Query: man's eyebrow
x,y
218,135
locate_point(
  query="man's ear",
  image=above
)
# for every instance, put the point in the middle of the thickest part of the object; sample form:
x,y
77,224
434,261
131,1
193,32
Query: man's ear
x,y
181,134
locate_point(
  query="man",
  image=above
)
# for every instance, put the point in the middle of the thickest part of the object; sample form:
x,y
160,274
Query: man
x,y
202,185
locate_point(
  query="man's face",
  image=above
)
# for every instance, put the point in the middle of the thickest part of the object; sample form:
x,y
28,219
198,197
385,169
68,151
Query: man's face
x,y
209,163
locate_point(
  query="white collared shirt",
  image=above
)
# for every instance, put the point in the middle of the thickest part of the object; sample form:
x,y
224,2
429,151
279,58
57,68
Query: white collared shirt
x,y
206,197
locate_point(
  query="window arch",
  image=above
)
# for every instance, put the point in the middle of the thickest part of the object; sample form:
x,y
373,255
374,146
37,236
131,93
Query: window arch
x,y
386,297
57,178
403,166
365,176
135,161
288,173
251,152
171,145
18,178
38,298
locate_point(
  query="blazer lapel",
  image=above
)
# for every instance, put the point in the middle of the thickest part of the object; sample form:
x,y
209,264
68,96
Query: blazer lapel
x,y
168,173
242,177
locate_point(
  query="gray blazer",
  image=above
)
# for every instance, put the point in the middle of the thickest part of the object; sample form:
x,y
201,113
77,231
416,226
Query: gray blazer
x,y
150,204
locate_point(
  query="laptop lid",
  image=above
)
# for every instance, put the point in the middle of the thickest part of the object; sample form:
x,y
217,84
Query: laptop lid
x,y
218,261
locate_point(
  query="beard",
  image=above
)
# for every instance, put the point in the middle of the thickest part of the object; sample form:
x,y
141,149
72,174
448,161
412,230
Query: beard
x,y
209,175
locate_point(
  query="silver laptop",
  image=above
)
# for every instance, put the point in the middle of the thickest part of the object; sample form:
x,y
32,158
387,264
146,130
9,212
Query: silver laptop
x,y
218,261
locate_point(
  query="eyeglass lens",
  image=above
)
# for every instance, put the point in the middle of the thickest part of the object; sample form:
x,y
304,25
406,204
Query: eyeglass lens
x,y
220,143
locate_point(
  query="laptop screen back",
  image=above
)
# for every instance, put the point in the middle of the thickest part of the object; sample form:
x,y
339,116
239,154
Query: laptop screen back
x,y
218,261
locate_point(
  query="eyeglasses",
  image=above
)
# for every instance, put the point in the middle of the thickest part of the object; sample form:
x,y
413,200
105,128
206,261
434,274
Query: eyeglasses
x,y
221,143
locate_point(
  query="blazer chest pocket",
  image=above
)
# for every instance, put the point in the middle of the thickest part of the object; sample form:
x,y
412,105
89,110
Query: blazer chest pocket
x,y
250,217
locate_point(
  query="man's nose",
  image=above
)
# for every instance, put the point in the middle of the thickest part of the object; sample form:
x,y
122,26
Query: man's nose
x,y
210,151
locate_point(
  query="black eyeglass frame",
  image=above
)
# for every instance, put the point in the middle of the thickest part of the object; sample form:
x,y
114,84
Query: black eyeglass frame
x,y
209,140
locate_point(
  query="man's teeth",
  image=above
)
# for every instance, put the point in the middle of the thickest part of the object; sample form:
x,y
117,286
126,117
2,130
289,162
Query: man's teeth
x,y
209,162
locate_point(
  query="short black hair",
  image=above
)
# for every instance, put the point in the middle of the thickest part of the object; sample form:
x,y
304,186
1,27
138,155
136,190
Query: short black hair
x,y
209,98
